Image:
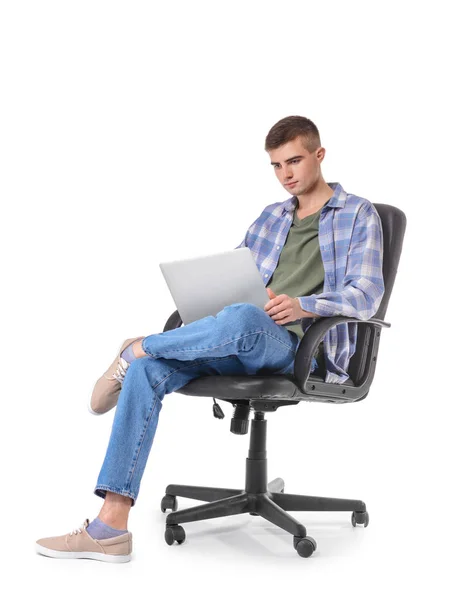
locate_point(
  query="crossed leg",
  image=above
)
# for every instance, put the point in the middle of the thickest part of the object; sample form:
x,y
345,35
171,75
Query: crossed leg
x,y
240,339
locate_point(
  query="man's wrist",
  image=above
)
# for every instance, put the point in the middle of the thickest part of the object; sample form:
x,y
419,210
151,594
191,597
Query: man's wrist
x,y
308,315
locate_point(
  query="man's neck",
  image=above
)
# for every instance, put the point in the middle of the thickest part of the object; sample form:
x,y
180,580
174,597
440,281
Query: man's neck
x,y
315,197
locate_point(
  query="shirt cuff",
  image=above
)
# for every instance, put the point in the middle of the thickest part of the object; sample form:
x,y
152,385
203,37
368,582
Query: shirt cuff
x,y
309,304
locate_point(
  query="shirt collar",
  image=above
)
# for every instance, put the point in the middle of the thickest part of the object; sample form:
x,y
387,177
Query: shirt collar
x,y
337,200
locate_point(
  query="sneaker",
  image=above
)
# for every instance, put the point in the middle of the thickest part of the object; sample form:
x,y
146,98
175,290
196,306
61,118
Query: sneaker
x,y
106,391
79,544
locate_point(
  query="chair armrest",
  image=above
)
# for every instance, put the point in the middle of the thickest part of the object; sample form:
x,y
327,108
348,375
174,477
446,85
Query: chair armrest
x,y
173,322
312,338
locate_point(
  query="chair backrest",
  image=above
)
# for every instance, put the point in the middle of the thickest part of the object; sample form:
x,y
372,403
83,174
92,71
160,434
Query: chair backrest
x,y
393,222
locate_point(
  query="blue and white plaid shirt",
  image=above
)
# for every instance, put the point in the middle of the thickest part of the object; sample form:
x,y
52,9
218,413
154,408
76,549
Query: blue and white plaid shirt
x,y
351,245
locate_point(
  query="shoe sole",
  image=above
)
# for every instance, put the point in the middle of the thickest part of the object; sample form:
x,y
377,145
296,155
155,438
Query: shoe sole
x,y
93,412
111,558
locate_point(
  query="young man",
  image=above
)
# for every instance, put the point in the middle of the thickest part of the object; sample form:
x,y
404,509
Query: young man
x,y
321,250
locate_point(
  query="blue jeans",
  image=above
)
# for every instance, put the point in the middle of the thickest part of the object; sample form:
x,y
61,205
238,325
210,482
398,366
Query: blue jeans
x,y
240,340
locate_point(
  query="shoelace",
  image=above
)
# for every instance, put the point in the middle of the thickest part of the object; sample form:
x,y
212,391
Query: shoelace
x,y
121,369
80,529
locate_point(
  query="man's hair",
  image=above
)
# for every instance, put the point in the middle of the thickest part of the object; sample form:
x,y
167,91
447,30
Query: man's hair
x,y
289,129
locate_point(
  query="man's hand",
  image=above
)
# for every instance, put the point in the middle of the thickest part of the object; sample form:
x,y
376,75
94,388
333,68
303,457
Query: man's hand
x,y
284,309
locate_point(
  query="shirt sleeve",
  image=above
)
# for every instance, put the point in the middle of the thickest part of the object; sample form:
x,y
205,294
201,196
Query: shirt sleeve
x,y
363,285
246,239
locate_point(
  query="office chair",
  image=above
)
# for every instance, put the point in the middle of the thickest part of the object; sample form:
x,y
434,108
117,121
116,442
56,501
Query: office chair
x,y
267,393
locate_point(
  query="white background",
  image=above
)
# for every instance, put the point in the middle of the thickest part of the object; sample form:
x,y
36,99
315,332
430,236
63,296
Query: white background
x,y
133,132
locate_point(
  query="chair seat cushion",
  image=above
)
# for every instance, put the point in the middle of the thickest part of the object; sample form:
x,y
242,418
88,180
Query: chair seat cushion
x,y
247,387
241,387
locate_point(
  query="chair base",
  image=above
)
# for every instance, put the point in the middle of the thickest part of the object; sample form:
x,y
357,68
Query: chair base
x,y
267,500
271,505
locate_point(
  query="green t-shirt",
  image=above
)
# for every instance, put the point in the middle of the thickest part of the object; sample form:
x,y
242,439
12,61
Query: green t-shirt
x,y
300,271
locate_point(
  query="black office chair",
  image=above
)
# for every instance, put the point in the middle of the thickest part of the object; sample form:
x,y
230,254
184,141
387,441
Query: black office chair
x,y
266,393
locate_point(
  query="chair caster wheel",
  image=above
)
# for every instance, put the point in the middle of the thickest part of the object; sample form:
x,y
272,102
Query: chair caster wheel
x,y
304,546
168,502
360,517
174,533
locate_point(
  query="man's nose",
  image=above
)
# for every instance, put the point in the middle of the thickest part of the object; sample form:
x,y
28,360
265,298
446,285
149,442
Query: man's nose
x,y
287,174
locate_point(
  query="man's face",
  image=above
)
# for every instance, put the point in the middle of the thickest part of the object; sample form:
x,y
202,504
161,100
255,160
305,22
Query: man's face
x,y
296,168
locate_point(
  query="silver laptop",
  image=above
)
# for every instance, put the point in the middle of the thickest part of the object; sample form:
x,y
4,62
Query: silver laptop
x,y
204,285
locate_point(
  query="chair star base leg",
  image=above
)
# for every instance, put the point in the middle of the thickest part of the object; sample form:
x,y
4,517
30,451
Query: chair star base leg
x,y
208,494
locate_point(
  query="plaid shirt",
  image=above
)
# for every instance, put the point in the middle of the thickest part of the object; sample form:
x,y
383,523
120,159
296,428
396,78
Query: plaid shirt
x,y
351,245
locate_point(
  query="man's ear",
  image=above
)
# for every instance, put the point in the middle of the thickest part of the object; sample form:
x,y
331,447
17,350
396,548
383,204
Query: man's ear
x,y
320,154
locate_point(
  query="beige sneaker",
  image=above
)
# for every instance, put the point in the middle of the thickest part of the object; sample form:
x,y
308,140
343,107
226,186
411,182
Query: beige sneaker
x,y
106,391
79,544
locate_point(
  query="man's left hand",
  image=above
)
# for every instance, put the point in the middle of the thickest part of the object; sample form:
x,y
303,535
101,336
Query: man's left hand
x,y
283,309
